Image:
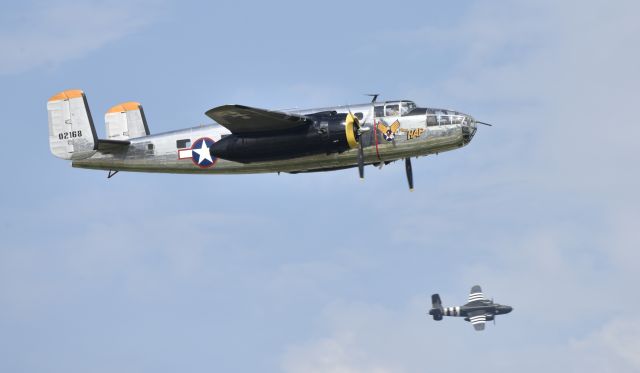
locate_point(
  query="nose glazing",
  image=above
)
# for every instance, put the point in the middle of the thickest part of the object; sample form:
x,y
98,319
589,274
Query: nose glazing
x,y
468,128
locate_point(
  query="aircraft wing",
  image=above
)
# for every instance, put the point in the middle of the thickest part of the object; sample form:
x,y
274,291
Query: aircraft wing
x,y
476,294
477,319
241,119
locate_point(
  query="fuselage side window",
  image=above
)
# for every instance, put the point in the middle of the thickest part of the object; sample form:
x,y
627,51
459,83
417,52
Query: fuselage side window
x,y
359,115
379,111
184,143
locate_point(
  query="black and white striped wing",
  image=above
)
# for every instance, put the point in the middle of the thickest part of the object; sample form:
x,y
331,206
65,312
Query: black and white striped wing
x,y
476,294
478,320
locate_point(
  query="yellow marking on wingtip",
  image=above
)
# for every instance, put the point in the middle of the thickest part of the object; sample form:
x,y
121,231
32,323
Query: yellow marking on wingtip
x,y
125,106
66,95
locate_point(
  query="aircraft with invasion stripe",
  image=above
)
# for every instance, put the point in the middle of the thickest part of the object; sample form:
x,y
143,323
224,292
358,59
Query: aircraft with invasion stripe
x,y
478,310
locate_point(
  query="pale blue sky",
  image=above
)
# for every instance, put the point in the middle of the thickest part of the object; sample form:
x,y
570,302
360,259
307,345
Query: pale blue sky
x,y
321,272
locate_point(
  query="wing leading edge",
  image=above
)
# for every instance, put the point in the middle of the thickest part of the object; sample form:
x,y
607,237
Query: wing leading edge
x,y
241,119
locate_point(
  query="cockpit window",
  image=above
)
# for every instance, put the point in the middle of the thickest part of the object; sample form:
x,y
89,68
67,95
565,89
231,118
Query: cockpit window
x,y
432,120
444,120
406,107
392,110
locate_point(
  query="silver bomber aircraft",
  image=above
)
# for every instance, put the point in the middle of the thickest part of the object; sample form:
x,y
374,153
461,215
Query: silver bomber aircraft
x,y
477,311
251,140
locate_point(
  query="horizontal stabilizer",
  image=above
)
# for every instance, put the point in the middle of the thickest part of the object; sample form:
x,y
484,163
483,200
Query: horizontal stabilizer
x,y
112,145
244,120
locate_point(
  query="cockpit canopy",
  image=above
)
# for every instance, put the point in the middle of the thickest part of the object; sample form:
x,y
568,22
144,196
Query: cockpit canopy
x,y
435,117
394,108
444,117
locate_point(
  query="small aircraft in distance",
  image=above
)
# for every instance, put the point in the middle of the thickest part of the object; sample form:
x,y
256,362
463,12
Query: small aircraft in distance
x,y
251,140
478,310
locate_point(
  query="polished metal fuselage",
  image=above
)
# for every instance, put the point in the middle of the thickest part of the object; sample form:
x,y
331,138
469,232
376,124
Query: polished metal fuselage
x,y
160,152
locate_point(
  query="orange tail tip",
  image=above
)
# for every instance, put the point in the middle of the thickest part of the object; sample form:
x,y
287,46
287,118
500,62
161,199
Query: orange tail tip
x,y
125,121
126,106
68,94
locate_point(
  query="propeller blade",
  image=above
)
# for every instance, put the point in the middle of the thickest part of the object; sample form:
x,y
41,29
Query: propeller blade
x,y
374,96
360,160
494,315
407,166
358,130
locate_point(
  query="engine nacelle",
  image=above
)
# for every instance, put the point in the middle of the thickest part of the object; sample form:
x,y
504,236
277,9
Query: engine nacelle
x,y
330,133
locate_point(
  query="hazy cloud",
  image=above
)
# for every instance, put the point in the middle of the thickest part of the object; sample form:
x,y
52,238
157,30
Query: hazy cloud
x,y
47,34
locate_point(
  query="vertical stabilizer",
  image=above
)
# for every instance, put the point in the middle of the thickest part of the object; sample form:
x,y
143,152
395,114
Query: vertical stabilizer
x,y
72,134
437,310
126,121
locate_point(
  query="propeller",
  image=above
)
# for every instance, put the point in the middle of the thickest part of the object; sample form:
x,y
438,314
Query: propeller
x,y
358,130
360,160
374,96
407,167
494,315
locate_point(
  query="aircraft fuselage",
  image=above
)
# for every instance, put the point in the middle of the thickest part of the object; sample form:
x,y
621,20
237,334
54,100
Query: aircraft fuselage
x,y
420,132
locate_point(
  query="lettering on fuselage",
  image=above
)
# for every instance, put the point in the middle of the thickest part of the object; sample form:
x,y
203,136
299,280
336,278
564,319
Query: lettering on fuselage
x,y
413,133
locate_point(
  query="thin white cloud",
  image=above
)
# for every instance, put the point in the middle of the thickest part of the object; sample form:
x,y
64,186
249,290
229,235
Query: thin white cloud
x,y
613,348
338,354
52,33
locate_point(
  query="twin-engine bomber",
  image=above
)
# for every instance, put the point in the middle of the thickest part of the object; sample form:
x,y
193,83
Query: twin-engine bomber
x,y
477,311
251,140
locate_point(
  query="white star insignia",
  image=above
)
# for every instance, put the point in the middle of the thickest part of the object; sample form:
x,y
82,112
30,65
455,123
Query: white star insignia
x,y
204,153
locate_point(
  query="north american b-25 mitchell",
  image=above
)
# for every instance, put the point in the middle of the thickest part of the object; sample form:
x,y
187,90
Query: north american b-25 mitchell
x,y
478,310
251,140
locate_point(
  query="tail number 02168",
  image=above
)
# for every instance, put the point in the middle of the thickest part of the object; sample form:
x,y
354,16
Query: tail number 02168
x,y
69,135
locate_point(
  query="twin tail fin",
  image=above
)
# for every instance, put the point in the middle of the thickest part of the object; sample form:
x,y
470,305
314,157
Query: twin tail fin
x,y
72,134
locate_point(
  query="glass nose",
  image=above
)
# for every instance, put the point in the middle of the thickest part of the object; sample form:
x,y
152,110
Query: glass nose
x,y
468,128
468,120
